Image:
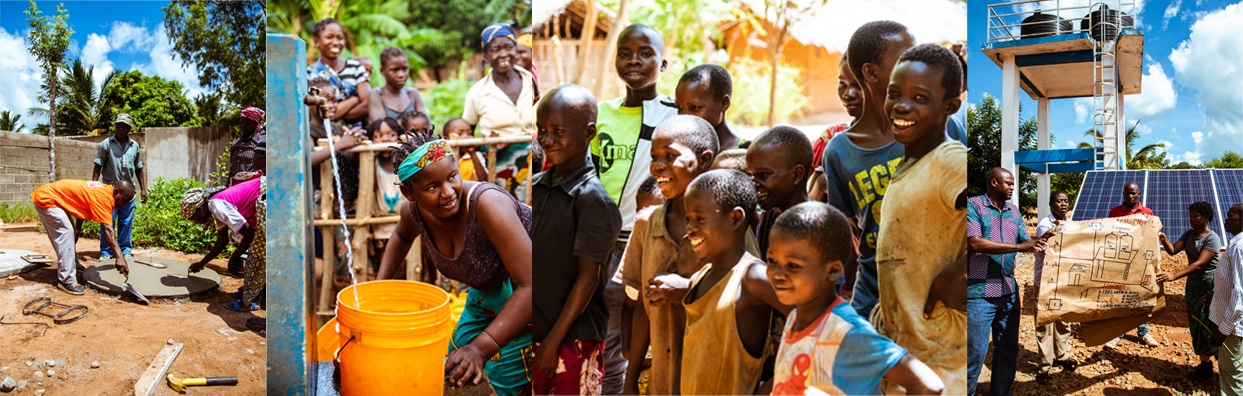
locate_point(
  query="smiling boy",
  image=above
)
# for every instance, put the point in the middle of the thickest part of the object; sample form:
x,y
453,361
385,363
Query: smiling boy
x,y
621,152
826,344
682,148
860,163
921,250
779,161
730,304
570,316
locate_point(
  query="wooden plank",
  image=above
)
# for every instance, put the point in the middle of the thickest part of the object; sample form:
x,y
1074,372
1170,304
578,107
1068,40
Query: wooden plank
x,y
154,375
362,210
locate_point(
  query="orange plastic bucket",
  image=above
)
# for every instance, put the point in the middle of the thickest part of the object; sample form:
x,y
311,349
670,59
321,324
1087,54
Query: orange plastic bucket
x,y
397,342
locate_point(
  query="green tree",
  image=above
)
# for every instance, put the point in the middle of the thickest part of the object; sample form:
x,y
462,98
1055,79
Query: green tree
x,y
984,147
1229,160
48,39
87,108
151,100
11,122
460,23
224,40
211,111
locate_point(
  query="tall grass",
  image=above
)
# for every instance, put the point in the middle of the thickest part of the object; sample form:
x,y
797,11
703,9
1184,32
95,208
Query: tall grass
x,y
18,213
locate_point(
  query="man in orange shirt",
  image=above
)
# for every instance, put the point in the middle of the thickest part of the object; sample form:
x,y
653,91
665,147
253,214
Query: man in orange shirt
x,y
86,200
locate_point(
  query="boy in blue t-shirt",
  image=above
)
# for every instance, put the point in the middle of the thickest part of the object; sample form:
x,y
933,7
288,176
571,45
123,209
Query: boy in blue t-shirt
x,y
826,345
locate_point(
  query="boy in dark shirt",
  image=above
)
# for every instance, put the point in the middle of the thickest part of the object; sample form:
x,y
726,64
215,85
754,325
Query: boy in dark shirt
x,y
570,315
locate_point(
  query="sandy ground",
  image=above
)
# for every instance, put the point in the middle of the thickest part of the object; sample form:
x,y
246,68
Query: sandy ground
x,y
1132,369
123,336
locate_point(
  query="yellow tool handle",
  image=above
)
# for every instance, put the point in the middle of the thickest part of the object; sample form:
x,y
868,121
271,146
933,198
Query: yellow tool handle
x,y
209,381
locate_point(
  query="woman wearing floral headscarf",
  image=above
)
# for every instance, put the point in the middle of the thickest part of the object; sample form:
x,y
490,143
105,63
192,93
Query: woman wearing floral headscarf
x,y
501,104
248,153
476,234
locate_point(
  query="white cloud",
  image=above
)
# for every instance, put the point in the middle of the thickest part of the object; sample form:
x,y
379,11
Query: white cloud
x,y
129,38
1158,94
1197,137
1167,144
95,53
166,64
1083,110
1190,157
1207,62
19,87
1170,12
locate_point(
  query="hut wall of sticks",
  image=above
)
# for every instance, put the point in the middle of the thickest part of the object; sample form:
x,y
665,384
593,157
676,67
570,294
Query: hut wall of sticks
x,y
571,47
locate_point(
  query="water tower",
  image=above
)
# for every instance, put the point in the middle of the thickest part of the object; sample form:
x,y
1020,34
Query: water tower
x,y
1052,50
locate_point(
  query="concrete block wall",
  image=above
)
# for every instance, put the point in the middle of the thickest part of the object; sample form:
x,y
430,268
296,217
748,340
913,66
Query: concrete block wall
x,y
24,163
169,153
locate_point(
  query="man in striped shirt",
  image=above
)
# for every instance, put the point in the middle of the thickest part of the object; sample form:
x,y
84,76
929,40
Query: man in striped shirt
x,y
1226,310
995,235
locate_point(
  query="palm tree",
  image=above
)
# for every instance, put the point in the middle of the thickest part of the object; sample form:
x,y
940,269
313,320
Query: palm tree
x,y
84,109
10,122
1151,156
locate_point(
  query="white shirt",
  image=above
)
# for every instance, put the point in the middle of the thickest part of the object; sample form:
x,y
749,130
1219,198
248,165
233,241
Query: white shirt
x,y
494,114
1226,310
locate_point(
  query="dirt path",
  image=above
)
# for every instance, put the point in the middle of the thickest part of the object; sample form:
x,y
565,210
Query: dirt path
x,y
1132,369
121,335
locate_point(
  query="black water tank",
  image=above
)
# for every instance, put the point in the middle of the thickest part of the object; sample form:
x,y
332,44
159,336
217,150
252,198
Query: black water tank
x,y
1040,24
1106,29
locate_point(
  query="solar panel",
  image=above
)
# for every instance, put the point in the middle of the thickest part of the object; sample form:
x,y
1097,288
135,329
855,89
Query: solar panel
x,y
1101,191
1171,192
1167,192
1229,192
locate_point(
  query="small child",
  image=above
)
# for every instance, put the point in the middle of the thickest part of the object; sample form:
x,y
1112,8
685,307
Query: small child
x,y
779,161
682,148
471,163
730,304
396,71
388,197
569,315
735,159
921,253
649,195
826,344
704,91
351,78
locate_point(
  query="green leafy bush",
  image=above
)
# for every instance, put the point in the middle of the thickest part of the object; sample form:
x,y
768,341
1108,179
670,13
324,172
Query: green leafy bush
x,y
18,213
158,223
447,99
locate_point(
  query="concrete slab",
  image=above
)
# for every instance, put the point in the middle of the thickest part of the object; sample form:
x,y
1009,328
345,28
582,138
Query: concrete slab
x,y
11,262
170,282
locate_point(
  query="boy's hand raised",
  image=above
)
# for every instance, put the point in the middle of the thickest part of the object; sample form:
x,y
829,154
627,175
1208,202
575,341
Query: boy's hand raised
x,y
667,288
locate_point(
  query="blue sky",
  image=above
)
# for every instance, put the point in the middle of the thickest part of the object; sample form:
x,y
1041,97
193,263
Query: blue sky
x,y
119,36
1192,90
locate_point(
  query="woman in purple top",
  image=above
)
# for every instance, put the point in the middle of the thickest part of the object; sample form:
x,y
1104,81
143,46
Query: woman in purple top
x,y
477,234
234,211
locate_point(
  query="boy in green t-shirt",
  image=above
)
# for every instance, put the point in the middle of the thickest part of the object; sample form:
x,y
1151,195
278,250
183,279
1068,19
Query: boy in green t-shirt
x,y
621,151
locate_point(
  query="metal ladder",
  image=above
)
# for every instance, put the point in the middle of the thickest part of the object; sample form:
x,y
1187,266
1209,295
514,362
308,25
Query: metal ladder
x,y
1105,92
